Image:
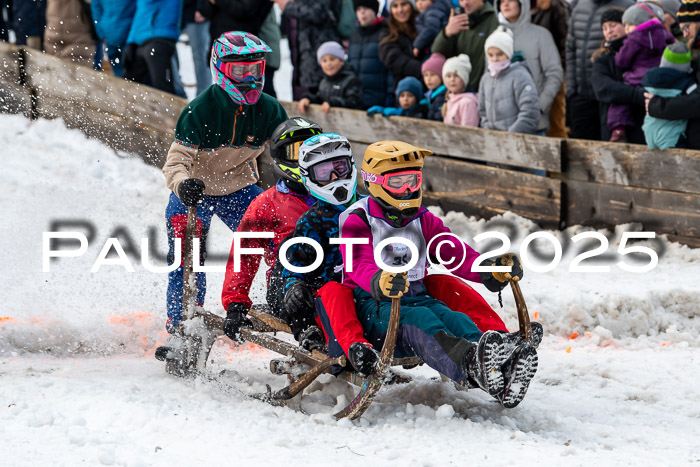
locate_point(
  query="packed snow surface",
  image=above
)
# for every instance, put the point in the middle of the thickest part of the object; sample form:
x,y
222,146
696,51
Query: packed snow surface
x,y
617,380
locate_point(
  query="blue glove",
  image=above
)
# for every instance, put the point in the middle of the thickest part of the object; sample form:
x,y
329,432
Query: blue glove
x,y
375,109
392,111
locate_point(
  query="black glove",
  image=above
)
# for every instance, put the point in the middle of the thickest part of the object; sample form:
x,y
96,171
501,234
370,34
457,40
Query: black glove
x,y
496,281
129,54
236,319
299,300
363,358
191,191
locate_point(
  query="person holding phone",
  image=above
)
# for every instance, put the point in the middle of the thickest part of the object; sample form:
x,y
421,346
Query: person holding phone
x,y
465,33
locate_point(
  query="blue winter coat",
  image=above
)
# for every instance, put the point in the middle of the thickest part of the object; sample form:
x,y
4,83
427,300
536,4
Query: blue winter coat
x,y
363,55
155,19
431,21
665,82
113,20
436,98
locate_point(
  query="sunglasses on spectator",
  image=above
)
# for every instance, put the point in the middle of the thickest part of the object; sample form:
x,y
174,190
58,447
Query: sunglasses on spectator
x,y
242,72
341,167
397,182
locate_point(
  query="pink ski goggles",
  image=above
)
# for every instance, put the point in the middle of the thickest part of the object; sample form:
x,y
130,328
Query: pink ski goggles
x,y
397,182
242,72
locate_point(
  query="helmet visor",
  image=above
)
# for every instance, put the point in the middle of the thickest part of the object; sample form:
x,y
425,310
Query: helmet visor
x,y
324,171
397,182
242,72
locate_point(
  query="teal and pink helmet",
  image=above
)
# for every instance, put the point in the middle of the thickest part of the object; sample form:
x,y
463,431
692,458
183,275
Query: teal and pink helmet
x,y
238,65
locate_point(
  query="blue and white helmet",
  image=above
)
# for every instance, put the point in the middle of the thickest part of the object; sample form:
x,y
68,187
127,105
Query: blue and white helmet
x,y
327,168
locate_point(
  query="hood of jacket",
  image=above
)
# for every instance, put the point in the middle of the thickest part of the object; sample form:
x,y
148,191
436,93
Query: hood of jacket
x,y
523,20
651,35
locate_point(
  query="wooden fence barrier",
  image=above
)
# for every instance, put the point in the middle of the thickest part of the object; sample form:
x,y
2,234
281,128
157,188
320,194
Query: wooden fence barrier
x,y
555,182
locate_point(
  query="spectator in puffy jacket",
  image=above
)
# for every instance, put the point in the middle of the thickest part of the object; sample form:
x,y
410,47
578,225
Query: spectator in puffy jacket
x,y
606,78
29,21
432,78
687,106
508,98
646,40
363,55
234,15
340,87
396,44
431,22
582,41
461,105
70,32
112,22
408,94
151,43
466,34
540,51
424,23
316,23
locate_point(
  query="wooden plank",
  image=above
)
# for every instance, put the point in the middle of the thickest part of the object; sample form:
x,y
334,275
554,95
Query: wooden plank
x,y
56,78
118,133
450,140
14,97
487,191
632,165
602,205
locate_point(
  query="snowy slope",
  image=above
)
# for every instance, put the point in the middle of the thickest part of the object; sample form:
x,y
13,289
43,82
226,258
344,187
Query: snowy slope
x,y
78,382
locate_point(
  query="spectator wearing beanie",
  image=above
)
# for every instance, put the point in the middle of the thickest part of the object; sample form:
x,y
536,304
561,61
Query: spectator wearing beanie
x,y
672,78
461,105
670,10
607,78
584,38
646,40
363,55
432,78
540,51
408,94
685,106
508,98
340,86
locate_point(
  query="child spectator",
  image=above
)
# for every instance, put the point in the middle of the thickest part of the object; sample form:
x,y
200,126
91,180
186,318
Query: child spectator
x,y
461,106
646,39
340,87
670,79
427,28
432,77
363,55
508,98
408,94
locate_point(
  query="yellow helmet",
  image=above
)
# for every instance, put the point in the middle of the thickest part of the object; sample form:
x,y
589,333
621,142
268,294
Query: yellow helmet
x,y
386,157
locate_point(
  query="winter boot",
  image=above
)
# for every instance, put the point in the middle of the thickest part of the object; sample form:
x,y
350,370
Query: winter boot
x,y
519,369
482,363
312,338
363,358
513,339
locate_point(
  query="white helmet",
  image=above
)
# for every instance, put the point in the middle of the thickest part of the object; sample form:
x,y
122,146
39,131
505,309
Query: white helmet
x,y
323,157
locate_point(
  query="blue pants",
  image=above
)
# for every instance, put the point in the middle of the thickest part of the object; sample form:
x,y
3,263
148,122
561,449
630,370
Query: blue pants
x,y
198,34
427,328
229,208
114,53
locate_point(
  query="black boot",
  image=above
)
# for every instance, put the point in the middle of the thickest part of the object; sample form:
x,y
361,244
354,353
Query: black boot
x,y
519,369
483,362
312,339
363,358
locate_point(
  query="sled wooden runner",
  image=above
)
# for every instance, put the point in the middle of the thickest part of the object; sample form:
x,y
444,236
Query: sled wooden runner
x,y
523,316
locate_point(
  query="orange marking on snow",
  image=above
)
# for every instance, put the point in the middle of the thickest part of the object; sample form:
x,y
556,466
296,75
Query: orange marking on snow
x,y
664,344
568,350
587,334
573,335
6,318
131,318
536,315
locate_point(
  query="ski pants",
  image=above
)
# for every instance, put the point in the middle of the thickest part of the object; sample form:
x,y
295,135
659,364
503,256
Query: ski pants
x,y
152,65
229,208
427,328
335,305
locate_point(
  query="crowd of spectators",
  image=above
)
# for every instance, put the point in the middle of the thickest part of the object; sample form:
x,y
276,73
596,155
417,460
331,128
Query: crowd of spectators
x,y
611,70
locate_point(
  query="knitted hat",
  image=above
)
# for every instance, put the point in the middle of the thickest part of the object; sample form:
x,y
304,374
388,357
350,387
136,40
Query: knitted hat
x,y
434,63
611,14
411,85
330,48
389,2
371,4
689,12
670,6
677,56
502,39
638,14
460,65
